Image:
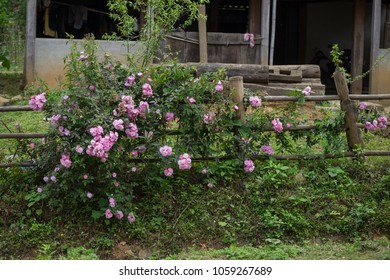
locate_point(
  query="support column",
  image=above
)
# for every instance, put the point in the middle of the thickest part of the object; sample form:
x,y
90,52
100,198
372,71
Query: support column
x,y
265,28
254,17
202,34
358,46
29,52
375,40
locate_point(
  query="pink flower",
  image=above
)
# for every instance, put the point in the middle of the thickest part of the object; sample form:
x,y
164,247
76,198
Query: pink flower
x,y
184,162
53,178
306,91
46,179
219,87
143,109
362,105
168,172
169,117
235,107
116,184
85,176
191,100
166,151
209,185
131,131
63,131
208,118
82,56
119,214
249,166
54,120
108,214
79,149
134,153
288,125
131,218
114,175
91,87
65,160
140,74
112,202
204,171
255,101
32,145
89,195
278,126
147,90
130,81
96,132
37,101
133,169
267,149
118,124
382,119
39,189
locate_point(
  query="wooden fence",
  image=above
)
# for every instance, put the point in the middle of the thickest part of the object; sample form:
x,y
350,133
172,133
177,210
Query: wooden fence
x,y
352,128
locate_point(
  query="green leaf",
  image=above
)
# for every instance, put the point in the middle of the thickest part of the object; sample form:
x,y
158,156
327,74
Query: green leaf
x,y
222,224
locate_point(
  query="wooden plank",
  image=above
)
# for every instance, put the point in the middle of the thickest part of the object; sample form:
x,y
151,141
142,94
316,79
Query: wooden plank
x,y
354,138
251,73
358,46
14,108
293,76
308,70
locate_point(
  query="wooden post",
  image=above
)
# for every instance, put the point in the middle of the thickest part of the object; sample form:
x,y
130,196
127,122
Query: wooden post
x,y
358,46
375,40
351,115
237,88
254,17
29,53
202,34
265,17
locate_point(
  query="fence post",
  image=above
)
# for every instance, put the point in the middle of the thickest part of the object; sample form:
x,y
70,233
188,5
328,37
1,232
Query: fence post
x,y
348,106
237,88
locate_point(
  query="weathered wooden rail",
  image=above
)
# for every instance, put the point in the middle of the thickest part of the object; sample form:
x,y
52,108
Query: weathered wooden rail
x,y
236,83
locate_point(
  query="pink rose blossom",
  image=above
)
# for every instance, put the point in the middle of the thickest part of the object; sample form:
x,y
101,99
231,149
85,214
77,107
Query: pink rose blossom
x,y
191,100
166,151
118,124
119,214
169,117
184,162
85,176
114,175
91,87
249,166
108,214
306,91
255,101
147,90
53,178
131,218
278,126
235,107
131,131
130,81
204,171
65,161
267,149
208,118
79,149
168,172
32,145
134,153
116,184
209,185
219,87
112,202
362,105
37,101
46,179
89,195
39,189
143,109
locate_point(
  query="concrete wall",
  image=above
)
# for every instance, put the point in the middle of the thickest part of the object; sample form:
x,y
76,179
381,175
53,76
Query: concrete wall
x,y
50,53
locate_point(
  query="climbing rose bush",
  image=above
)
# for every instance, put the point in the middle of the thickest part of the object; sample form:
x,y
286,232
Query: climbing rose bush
x,y
116,130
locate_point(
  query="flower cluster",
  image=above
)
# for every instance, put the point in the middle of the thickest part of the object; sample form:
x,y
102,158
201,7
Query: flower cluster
x,y
166,151
381,122
131,131
249,166
219,87
208,118
277,125
267,149
100,146
65,160
147,90
184,162
255,101
37,101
